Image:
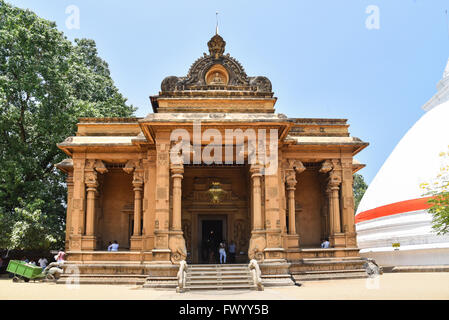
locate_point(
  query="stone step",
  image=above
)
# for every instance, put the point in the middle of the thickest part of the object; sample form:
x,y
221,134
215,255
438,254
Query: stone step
x,y
330,276
219,282
217,265
219,268
214,273
200,277
328,271
222,287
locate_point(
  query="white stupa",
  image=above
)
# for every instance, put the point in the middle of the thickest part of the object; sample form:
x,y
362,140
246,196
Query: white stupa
x,y
392,223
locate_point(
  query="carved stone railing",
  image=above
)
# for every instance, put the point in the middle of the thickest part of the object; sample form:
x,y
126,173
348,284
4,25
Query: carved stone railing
x,y
256,273
182,273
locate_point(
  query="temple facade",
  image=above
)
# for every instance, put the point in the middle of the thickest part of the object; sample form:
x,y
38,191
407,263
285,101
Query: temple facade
x,y
212,157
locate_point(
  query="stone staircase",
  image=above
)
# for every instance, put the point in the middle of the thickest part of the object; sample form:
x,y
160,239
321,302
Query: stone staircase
x,y
219,277
310,269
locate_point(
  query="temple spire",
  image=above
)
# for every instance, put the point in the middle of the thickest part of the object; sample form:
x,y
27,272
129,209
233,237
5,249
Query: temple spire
x,y
216,27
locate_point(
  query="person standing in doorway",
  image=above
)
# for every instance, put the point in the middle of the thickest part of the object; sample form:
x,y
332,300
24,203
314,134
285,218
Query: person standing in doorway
x,y
222,252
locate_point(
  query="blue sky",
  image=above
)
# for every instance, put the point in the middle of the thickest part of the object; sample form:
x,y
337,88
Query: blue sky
x,y
321,59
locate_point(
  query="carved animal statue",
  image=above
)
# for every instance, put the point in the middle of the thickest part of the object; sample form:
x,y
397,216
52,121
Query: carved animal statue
x,y
181,276
255,270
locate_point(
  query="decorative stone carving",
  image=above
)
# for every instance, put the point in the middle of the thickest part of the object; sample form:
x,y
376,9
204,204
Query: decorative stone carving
x,y
96,165
326,166
177,246
261,83
169,83
257,244
196,77
240,233
91,179
216,46
291,168
131,165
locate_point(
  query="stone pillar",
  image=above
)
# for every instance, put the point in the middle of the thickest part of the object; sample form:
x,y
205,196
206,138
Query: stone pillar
x,y
291,187
91,181
177,242
256,191
79,203
291,169
347,201
336,236
138,187
161,252
91,189
89,240
69,225
135,167
177,172
149,198
257,243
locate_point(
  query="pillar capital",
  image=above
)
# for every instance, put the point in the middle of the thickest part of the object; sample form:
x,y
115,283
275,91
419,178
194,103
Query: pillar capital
x,y
256,170
177,170
334,180
95,165
91,179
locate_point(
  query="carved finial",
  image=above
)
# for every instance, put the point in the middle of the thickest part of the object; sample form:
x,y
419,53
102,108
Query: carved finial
x,y
216,27
216,46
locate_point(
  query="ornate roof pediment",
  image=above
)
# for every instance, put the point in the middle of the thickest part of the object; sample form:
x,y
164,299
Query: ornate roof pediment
x,y
216,71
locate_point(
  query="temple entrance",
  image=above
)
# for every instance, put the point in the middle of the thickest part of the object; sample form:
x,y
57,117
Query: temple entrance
x,y
212,231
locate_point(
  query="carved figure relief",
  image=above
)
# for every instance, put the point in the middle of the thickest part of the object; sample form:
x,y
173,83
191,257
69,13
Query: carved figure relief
x,y
187,231
241,234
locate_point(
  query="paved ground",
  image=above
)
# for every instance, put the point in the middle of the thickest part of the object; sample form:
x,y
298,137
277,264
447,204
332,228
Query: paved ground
x,y
388,286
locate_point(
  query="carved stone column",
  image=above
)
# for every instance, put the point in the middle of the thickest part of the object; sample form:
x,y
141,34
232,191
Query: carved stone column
x,y
256,196
333,186
291,169
257,243
89,240
161,251
138,187
69,226
177,242
91,189
177,171
135,167
347,201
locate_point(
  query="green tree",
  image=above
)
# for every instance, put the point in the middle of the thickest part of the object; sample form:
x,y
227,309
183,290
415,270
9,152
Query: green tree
x,y
359,188
46,83
438,190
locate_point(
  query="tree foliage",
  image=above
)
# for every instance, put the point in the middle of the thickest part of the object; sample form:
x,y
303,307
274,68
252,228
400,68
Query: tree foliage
x,y
359,189
438,190
46,83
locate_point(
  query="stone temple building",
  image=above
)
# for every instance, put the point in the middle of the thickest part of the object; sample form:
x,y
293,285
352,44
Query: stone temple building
x,y
124,184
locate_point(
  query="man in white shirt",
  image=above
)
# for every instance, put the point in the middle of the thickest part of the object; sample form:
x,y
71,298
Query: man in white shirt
x,y
325,244
113,246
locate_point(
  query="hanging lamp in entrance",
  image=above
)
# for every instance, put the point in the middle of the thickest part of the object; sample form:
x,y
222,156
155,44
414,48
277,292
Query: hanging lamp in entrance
x,y
216,192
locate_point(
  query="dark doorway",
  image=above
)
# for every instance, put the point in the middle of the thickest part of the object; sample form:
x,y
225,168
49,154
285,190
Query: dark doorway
x,y
212,235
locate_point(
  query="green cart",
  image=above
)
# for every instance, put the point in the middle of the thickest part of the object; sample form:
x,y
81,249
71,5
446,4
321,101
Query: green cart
x,y
24,271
